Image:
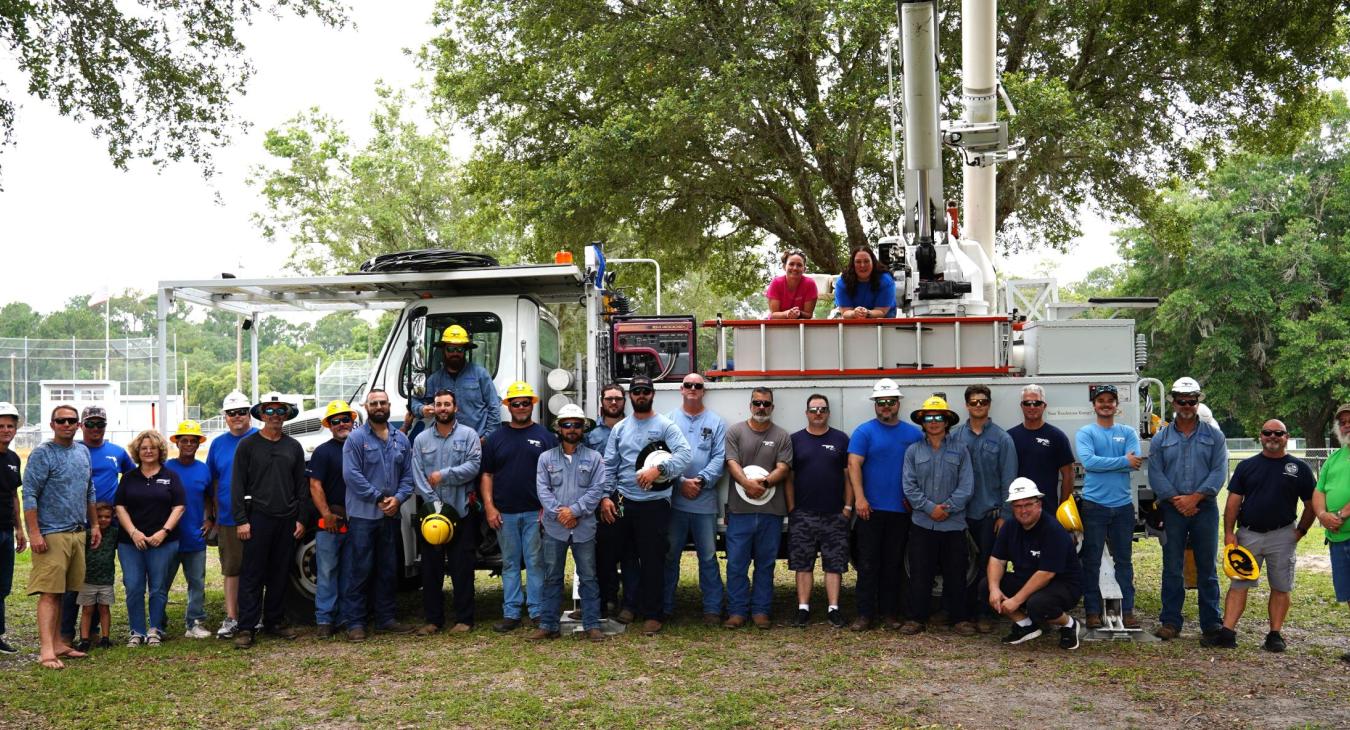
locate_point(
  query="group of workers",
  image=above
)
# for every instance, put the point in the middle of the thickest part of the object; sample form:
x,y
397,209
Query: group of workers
x,y
627,492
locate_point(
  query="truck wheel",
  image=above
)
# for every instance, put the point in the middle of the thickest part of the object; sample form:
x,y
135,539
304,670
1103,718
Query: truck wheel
x,y
304,582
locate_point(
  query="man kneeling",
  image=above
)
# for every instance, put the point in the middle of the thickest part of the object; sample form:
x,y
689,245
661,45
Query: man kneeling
x,y
1046,581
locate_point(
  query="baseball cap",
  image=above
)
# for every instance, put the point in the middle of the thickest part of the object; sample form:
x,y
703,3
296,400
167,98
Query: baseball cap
x,y
1345,408
93,412
641,381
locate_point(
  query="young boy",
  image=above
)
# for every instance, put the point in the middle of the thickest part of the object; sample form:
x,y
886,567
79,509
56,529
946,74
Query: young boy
x,y
97,592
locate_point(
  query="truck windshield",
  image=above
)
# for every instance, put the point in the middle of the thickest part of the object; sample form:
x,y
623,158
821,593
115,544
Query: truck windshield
x,y
485,328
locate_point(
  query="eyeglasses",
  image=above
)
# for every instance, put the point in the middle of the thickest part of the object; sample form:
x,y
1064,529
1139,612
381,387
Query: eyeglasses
x,y
277,410
933,417
977,402
692,386
236,412
762,403
887,402
612,399
570,425
96,424
1186,401
376,403
1033,404
641,391
65,421
340,420
520,403
1269,432
818,409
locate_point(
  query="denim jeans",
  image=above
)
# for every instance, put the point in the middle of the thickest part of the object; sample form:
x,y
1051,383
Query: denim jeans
x,y
751,536
1112,526
703,530
373,549
6,571
330,553
144,570
1339,553
1201,532
519,538
194,572
554,553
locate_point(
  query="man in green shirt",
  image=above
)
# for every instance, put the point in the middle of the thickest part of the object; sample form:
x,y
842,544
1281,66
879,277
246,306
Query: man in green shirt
x,y
1331,504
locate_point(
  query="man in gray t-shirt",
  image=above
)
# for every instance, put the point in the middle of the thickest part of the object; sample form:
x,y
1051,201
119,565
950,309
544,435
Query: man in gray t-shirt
x,y
755,509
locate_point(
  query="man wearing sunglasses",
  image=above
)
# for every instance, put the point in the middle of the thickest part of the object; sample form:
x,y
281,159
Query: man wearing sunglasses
x,y
755,510
220,460
1331,504
1263,497
1044,454
822,505
328,492
1188,462
694,500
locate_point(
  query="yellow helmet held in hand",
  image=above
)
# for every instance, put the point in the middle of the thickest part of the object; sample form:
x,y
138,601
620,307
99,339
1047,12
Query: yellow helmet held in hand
x,y
437,529
1239,563
456,335
188,428
519,389
1068,515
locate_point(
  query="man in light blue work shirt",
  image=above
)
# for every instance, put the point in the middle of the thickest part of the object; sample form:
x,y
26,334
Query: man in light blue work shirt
x,y
377,467
446,459
1187,465
477,402
1108,451
694,500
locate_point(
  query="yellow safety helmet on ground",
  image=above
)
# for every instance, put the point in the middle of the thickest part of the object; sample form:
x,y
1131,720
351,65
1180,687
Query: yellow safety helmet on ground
x,y
437,529
1068,515
456,335
1239,563
338,407
188,428
935,403
519,389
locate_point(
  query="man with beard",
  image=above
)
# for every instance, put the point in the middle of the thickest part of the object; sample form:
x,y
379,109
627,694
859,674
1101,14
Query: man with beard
x,y
755,509
446,458
1263,496
1331,504
328,491
1187,464
644,490
477,403
694,500
608,556
377,468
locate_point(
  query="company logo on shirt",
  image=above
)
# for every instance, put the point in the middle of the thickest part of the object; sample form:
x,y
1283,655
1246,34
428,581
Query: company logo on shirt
x,y
828,447
113,459
536,443
766,443
1291,469
165,482
13,467
1043,442
1035,553
1118,439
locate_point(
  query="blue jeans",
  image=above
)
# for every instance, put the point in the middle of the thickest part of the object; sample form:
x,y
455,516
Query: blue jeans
x,y
555,562
1340,569
751,536
1113,526
330,554
6,571
703,530
373,548
1201,532
194,572
144,570
519,537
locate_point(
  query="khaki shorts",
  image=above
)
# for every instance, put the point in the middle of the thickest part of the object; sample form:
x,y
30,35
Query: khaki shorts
x,y
61,568
231,551
92,595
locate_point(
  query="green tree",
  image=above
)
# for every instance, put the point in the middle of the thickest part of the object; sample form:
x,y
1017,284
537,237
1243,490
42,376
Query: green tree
x,y
17,319
154,77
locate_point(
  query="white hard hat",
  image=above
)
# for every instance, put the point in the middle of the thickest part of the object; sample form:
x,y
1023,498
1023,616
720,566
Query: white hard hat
x,y
1022,488
1185,385
8,409
1205,414
755,473
885,388
235,400
573,412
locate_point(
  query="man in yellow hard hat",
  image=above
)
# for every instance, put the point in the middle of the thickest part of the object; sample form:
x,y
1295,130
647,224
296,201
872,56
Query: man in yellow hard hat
x,y
328,492
478,403
197,522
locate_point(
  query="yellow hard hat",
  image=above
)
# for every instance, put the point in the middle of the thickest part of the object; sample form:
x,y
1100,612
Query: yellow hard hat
x,y
519,389
935,403
188,428
1239,563
338,406
1068,515
456,335
437,529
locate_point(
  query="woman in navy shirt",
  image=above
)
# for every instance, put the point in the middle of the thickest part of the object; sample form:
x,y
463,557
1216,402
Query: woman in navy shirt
x,y
149,503
864,290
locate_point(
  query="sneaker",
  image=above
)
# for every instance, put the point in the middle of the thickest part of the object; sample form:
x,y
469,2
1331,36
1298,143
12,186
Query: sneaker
x,y
243,639
153,638
910,628
802,620
7,648
197,631
1222,638
1166,632
227,629
81,645
1068,636
1019,634
104,643
1274,642
135,640
835,617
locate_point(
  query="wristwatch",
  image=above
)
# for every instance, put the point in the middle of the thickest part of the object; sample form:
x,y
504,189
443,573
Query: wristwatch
x,y
702,483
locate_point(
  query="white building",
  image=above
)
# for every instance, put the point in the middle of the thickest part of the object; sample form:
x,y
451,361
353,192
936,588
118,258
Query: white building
x,y
127,414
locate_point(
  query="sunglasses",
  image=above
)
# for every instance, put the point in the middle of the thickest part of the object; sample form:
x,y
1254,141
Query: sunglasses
x,y
934,417
274,411
1269,432
762,403
818,409
340,420
641,391
1186,401
692,386
570,425
887,402
977,402
457,348
1033,404
612,399
236,412
65,421
520,403
95,424
377,403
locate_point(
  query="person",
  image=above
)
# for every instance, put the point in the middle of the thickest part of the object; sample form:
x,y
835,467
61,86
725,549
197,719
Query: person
x,y
12,540
1263,497
938,483
792,295
1331,504
96,594
570,482
58,501
876,458
377,471
220,460
1044,454
511,504
755,510
328,493
609,556
150,502
1109,451
821,495
446,461
1046,579
267,488
1187,465
864,291
475,393
109,462
993,462
643,504
196,524
693,503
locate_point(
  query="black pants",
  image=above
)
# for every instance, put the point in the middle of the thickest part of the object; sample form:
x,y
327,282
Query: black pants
x,y
931,551
982,532
1058,597
609,558
264,576
455,558
644,534
881,555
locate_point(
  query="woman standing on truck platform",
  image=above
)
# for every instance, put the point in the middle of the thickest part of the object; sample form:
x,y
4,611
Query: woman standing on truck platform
x,y
792,295
864,291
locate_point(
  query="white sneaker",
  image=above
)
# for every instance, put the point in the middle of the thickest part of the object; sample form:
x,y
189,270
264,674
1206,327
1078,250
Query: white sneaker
x,y
135,641
153,638
197,631
227,629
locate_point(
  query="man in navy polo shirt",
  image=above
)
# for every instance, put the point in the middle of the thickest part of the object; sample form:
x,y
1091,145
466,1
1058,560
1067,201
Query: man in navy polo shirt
x,y
820,501
1046,580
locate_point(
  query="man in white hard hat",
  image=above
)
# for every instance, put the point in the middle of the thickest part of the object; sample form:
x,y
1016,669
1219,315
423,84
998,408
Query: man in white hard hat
x,y
876,458
1187,465
1109,451
756,506
1046,580
220,460
12,540
1331,504
328,493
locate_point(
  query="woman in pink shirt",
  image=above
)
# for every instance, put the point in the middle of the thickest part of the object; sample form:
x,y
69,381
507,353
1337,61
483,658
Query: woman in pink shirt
x,y
792,295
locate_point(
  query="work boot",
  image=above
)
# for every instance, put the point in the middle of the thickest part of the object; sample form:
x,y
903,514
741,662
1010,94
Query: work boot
x,y
1130,621
506,625
323,631
356,633
910,628
282,632
651,627
626,616
984,625
734,622
1094,620
862,623
427,629
243,639
762,621
595,635
542,634
964,628
1166,632
461,629
395,627
711,619
891,623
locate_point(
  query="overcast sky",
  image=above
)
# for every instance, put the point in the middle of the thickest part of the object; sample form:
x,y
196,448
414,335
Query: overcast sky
x,y
71,223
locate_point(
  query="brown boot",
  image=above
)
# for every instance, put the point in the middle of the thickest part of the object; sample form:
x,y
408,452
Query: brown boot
x,y
1093,621
762,621
862,623
651,627
734,622
1130,621
541,634
595,635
